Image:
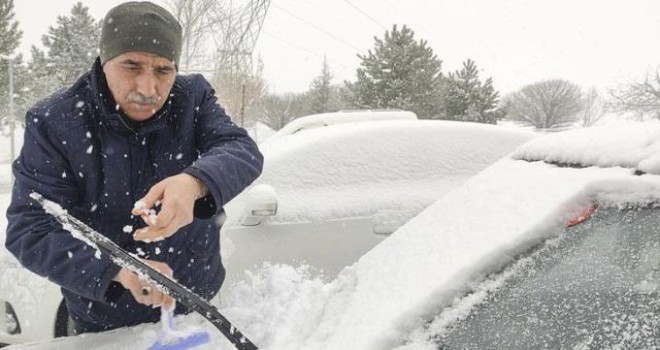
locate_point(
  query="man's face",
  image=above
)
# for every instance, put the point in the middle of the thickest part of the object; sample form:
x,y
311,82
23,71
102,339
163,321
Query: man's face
x,y
140,82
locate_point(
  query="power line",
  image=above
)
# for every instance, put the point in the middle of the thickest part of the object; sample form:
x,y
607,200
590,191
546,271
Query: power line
x,y
365,14
292,44
303,49
317,28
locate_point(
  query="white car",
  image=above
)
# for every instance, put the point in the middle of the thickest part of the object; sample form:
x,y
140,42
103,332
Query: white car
x,y
314,121
554,247
326,196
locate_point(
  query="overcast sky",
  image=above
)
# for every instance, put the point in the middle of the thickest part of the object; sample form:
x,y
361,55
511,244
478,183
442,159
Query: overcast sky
x,y
590,42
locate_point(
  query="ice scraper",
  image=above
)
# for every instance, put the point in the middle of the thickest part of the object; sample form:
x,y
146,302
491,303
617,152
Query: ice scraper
x,y
164,283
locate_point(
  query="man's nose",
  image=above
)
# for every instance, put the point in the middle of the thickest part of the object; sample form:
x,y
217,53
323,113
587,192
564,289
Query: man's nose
x,y
146,84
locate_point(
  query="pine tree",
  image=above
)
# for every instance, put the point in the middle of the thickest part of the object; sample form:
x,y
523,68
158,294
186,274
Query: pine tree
x,y
321,90
73,44
41,76
401,73
10,37
467,99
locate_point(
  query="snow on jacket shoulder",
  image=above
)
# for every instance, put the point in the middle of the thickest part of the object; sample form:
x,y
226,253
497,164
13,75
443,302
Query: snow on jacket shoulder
x,y
82,153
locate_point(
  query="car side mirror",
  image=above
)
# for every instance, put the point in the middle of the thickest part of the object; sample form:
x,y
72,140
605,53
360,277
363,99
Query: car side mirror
x,y
261,202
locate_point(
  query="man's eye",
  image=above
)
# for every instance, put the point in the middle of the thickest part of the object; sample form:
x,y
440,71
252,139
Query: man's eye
x,y
164,71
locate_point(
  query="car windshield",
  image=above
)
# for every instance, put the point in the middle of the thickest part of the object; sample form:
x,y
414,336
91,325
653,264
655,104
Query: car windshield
x,y
594,287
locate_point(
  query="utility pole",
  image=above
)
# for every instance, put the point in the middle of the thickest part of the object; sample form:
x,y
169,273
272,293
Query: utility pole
x,y
12,119
243,105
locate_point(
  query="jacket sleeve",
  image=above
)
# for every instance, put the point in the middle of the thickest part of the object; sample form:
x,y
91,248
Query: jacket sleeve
x,y
35,237
230,160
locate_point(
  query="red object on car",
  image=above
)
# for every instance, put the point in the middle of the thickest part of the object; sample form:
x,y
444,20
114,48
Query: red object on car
x,y
584,215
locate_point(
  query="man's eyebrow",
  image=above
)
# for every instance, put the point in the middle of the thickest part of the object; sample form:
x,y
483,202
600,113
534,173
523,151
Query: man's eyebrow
x,y
165,66
130,61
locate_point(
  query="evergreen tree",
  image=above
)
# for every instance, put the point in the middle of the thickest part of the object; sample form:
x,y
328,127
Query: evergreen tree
x,y
42,77
468,99
400,72
321,90
73,44
10,37
325,97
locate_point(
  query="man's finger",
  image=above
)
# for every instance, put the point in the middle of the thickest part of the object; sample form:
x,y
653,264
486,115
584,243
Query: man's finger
x,y
150,219
147,202
168,302
164,217
150,234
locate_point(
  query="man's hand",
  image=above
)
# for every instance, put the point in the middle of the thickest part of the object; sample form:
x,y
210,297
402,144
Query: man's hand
x,y
143,292
176,195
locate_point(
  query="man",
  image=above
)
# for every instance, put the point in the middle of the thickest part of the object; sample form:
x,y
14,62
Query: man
x,y
130,130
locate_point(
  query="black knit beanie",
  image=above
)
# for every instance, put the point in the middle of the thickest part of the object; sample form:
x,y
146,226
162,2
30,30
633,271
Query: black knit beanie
x,y
140,26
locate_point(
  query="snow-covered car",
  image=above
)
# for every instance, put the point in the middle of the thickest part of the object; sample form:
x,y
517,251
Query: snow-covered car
x,y
314,121
553,247
326,196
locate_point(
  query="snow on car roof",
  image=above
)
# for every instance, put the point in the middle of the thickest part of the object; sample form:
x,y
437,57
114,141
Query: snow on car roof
x,y
427,139
398,163
625,144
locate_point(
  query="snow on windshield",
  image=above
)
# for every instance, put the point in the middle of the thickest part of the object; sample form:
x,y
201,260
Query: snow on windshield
x,y
595,286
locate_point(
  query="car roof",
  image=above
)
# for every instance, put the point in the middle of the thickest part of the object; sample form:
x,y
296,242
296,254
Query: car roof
x,y
624,144
397,141
314,121
357,170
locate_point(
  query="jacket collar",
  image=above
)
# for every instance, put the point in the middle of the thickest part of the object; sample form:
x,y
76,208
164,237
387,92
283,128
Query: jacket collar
x,y
114,117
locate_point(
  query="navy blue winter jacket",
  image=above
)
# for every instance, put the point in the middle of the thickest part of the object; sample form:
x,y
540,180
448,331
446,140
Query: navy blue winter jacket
x,y
83,153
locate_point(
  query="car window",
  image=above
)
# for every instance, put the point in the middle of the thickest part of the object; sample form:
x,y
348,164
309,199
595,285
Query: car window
x,y
594,287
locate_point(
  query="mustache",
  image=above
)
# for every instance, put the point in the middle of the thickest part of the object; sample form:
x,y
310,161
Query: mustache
x,y
136,97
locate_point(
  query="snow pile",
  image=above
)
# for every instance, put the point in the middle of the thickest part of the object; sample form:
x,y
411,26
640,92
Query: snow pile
x,y
279,306
625,144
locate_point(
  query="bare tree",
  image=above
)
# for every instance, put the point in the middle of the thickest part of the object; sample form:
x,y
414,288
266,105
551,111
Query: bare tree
x,y
199,19
238,82
238,91
593,108
545,104
218,40
641,98
277,110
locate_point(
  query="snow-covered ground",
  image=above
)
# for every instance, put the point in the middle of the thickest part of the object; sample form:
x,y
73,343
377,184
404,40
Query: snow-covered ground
x,y
433,259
